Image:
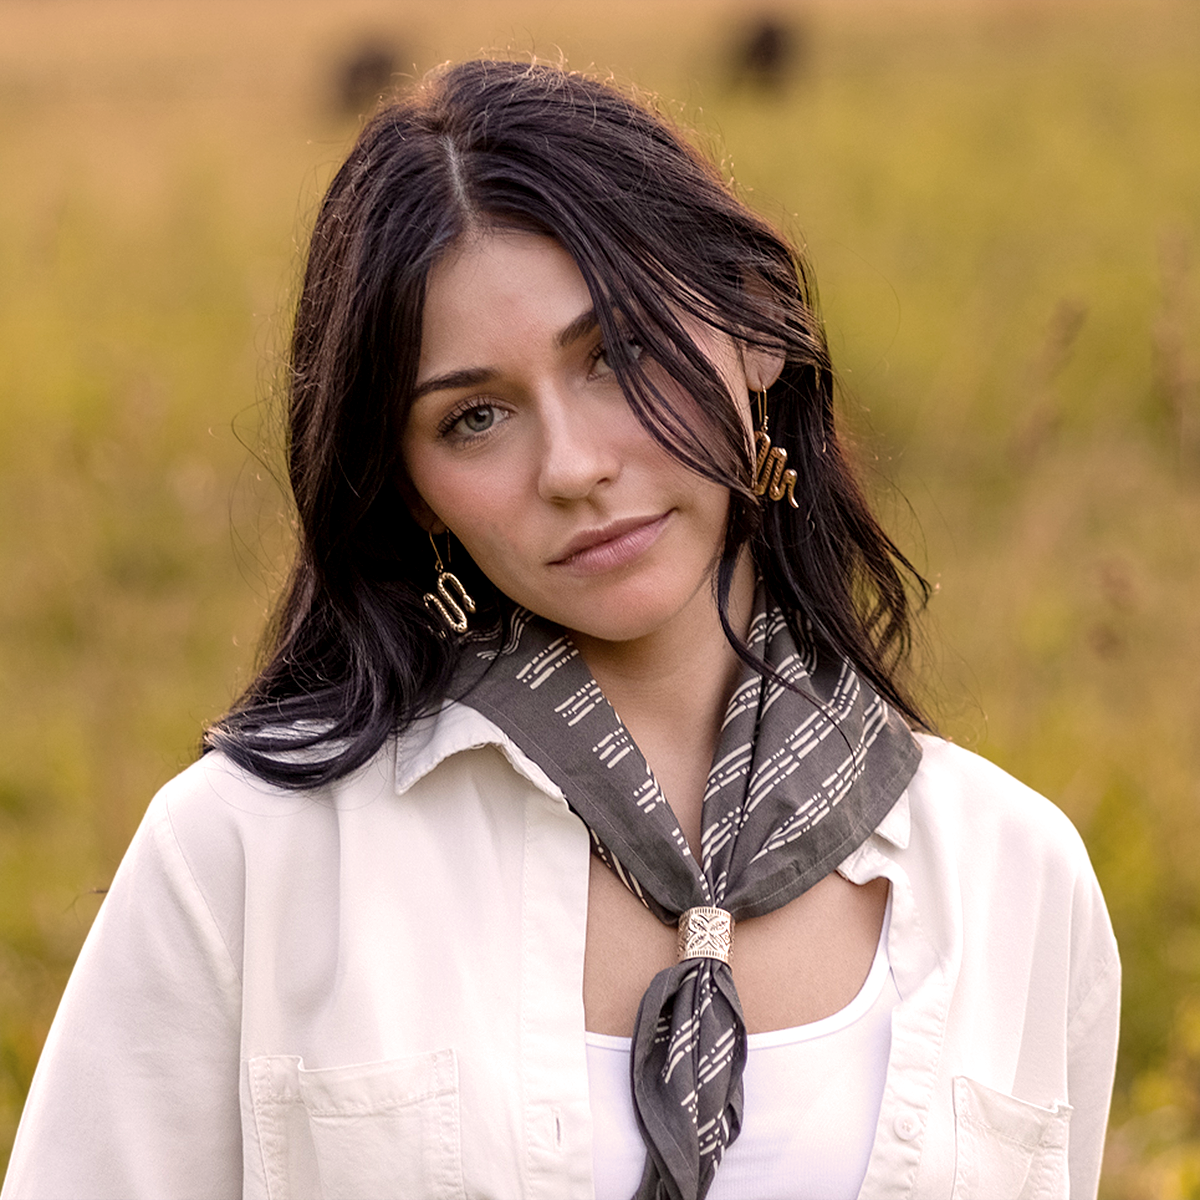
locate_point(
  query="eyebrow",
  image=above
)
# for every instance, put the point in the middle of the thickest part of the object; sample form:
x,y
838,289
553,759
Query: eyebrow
x,y
578,328
471,377
474,376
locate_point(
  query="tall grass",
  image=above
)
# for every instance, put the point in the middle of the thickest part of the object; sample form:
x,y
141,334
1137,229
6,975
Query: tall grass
x,y
1003,206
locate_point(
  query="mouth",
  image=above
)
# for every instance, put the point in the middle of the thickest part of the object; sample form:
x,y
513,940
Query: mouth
x,y
613,546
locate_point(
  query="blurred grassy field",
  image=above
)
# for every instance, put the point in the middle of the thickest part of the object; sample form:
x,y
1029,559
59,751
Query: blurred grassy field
x,y
1003,206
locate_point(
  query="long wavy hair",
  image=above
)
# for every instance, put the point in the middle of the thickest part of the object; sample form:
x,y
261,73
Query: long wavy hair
x,y
352,653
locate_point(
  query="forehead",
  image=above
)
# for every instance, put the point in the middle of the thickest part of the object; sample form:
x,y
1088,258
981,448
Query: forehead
x,y
494,288
508,303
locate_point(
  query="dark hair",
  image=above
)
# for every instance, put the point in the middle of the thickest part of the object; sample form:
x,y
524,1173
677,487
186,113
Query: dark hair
x,y
353,654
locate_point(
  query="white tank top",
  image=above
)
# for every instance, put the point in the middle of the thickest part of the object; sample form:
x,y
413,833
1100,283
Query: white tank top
x,y
812,1097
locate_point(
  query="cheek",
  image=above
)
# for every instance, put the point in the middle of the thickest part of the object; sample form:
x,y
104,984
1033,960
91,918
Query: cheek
x,y
484,515
414,483
716,517
487,542
413,499
439,493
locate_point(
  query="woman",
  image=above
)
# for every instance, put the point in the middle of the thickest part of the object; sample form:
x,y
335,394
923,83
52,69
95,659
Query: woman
x,y
430,918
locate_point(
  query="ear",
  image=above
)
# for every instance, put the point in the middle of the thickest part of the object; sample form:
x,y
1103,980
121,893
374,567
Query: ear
x,y
762,366
424,516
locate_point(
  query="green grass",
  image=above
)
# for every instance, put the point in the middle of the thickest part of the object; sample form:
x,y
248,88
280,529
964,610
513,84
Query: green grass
x,y
1003,206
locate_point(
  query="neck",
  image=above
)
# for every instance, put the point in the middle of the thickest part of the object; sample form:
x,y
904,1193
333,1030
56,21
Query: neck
x,y
671,690
687,659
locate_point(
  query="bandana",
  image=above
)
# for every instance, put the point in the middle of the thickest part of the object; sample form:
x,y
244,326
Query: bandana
x,y
799,780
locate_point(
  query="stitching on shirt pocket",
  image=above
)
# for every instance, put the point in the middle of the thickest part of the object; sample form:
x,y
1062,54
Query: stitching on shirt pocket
x,y
1006,1148
371,1131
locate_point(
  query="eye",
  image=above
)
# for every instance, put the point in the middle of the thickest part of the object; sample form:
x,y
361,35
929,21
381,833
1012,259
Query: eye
x,y
470,422
600,363
478,420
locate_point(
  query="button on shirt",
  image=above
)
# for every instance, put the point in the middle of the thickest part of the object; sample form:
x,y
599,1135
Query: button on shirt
x,y
375,990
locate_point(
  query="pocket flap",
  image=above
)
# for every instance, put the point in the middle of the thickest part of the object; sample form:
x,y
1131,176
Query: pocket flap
x,y
371,1131
377,1087
1007,1148
1008,1117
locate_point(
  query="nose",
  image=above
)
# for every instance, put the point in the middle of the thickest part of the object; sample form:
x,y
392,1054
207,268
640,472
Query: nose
x,y
580,446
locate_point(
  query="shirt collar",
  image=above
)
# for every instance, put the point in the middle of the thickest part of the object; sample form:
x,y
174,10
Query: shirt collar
x,y
457,727
430,740
896,827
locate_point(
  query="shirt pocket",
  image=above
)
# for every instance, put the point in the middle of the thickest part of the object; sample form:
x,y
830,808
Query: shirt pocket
x,y
373,1131
1008,1149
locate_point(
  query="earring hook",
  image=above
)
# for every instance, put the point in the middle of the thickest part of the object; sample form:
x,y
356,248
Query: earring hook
x,y
437,557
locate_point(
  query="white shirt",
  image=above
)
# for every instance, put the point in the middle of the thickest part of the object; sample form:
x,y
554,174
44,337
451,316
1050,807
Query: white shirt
x,y
376,990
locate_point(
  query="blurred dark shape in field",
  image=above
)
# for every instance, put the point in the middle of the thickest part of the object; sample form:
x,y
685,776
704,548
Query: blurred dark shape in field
x,y
363,75
768,53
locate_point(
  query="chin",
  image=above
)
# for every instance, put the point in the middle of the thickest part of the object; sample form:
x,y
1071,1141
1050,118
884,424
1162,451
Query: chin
x,y
627,623
626,611
618,633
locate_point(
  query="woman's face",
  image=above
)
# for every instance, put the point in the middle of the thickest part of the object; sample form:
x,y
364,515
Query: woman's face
x,y
522,444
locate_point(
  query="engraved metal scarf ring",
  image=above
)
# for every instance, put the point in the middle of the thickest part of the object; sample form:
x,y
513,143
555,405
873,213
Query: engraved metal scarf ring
x,y
799,780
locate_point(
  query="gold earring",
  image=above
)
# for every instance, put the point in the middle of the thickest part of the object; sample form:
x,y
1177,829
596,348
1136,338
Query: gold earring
x,y
770,477
444,604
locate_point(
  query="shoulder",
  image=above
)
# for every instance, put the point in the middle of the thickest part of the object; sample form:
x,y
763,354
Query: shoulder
x,y
215,797
219,814
1006,862
959,797
1005,857
220,835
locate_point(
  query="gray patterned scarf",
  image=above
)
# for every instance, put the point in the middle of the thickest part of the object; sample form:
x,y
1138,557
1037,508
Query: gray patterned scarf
x,y
794,787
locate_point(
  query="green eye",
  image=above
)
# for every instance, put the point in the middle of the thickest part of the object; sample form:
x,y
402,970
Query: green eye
x,y
479,420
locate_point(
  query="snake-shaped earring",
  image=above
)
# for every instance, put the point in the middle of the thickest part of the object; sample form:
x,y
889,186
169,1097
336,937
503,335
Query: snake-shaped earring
x,y
770,477
451,610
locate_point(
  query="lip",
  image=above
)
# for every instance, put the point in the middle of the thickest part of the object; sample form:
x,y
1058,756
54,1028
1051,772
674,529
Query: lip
x,y
614,545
